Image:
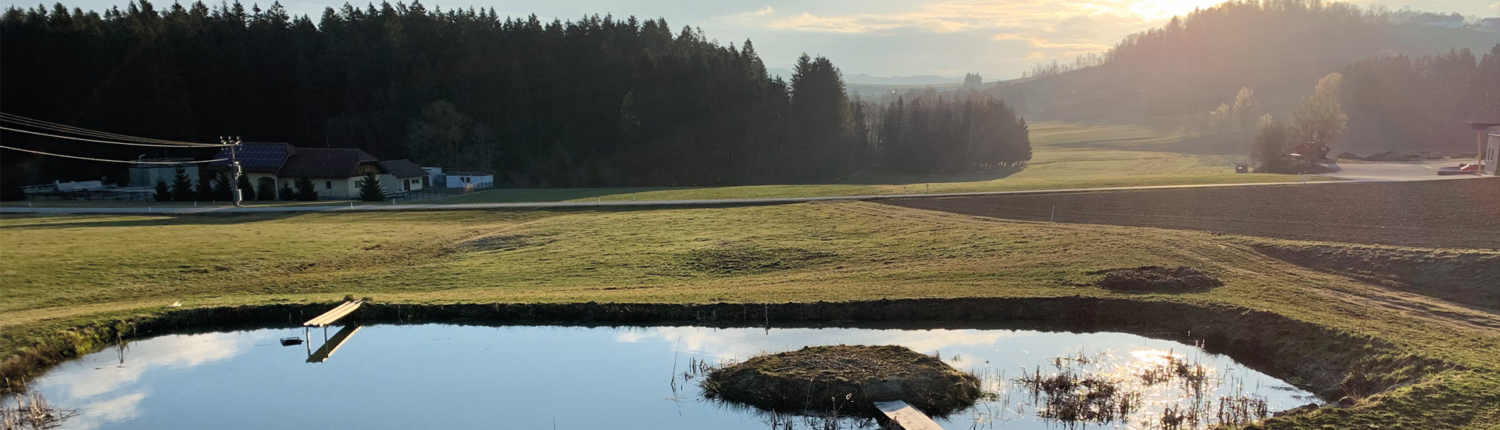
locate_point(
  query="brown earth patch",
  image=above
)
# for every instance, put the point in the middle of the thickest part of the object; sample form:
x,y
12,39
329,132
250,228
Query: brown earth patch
x,y
1439,214
1158,279
733,259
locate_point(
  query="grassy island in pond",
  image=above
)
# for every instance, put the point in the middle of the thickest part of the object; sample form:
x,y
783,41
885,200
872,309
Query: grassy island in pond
x,y
844,378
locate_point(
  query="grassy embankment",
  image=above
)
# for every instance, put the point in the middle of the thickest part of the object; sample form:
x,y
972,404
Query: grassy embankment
x,y
65,272
1065,155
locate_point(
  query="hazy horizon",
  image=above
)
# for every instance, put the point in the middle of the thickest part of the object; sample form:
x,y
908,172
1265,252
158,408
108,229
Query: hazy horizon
x,y
884,38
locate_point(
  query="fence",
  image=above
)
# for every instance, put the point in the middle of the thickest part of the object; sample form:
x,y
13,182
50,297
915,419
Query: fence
x,y
438,193
94,195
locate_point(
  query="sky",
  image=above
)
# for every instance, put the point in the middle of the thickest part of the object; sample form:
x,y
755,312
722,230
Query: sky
x,y
996,38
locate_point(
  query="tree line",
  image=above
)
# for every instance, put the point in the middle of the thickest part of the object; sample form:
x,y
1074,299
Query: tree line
x,y
1401,102
945,133
1391,103
1193,63
597,101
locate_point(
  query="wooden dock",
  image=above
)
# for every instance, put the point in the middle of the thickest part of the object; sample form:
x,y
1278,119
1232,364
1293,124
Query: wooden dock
x,y
907,417
333,315
332,344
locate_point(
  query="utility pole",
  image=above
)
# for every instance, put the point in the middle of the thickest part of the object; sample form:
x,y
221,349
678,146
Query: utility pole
x,y
234,164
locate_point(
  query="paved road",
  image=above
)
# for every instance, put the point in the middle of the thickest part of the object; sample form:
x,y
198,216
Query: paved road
x,y
547,205
1400,174
1418,171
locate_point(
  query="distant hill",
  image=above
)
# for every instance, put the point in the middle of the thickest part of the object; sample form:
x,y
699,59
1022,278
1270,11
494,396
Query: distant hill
x,y
867,80
920,80
1280,48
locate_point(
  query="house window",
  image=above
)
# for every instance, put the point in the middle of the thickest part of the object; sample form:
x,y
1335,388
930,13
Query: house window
x,y
328,185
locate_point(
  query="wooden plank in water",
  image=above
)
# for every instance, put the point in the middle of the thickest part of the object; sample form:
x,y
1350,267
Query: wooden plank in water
x,y
907,417
332,344
333,315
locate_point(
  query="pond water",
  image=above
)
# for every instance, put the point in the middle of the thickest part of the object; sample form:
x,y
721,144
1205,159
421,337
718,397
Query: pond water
x,y
543,377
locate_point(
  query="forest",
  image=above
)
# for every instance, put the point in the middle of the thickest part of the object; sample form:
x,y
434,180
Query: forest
x,y
1402,102
597,101
1424,80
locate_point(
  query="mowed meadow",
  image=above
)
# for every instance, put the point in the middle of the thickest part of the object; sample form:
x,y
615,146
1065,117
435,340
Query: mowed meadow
x,y
62,272
1064,155
72,266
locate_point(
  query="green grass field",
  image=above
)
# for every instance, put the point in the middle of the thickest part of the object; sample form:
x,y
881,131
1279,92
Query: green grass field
x,y
61,272
1065,155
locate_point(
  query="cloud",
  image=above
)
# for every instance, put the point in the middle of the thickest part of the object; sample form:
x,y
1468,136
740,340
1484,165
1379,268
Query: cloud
x,y
91,383
96,414
1038,42
177,351
995,30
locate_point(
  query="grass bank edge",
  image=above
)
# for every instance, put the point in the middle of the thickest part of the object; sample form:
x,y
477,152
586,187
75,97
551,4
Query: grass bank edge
x,y
1366,378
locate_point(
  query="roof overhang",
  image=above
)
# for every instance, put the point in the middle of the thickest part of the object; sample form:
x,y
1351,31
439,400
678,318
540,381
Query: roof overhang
x,y
1481,126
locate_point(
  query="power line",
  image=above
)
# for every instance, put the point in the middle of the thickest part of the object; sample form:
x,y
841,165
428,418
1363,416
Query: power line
x,y
173,163
154,145
62,128
6,117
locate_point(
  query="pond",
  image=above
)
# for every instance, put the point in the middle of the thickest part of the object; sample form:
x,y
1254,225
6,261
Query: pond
x,y
567,377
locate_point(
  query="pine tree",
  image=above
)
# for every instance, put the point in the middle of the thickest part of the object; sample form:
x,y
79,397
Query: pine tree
x,y
182,186
163,193
286,194
222,188
205,189
306,191
369,188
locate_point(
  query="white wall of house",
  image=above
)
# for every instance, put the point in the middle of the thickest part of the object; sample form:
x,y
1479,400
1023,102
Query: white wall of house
x,y
341,188
460,181
392,184
435,177
255,184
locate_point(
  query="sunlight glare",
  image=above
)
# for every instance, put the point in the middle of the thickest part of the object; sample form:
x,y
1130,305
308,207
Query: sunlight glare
x,y
1164,9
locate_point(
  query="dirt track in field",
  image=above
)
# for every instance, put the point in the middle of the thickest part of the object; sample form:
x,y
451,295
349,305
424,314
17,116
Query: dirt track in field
x,y
1434,214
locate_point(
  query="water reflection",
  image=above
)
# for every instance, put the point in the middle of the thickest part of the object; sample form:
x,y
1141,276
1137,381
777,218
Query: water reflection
x,y
331,344
436,376
106,387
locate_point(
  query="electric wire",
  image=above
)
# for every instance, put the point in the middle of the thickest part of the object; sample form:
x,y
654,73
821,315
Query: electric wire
x,y
172,163
61,128
154,145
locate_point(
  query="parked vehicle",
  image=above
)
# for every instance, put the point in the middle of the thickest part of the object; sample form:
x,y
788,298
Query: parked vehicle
x,y
1462,169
